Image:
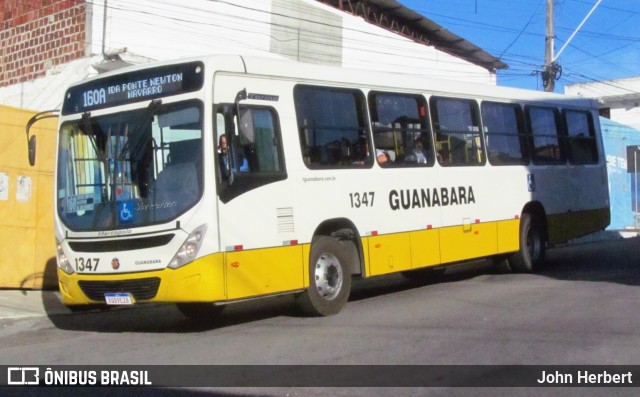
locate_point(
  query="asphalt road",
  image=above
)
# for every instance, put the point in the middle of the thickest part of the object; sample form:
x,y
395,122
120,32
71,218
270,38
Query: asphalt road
x,y
581,308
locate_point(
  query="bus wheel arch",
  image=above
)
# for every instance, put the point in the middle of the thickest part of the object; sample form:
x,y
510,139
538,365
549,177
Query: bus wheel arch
x,y
346,232
533,239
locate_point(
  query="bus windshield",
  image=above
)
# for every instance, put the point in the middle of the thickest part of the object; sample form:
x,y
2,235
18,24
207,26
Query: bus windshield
x,y
130,169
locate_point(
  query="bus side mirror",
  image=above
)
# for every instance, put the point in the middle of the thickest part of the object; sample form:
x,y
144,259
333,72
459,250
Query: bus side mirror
x,y
31,139
32,150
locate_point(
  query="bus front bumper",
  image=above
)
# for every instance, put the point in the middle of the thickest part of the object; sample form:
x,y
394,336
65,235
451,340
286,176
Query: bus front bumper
x,y
199,281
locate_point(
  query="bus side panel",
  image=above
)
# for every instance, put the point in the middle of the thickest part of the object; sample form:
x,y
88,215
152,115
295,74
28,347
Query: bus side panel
x,y
425,248
467,241
552,190
199,281
508,236
556,225
564,227
365,256
306,252
389,253
264,271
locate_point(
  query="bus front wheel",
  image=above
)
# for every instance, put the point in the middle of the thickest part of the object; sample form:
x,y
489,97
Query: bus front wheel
x,y
532,246
329,278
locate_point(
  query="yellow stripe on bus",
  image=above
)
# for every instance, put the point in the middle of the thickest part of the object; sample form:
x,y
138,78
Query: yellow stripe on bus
x,y
250,273
411,250
264,271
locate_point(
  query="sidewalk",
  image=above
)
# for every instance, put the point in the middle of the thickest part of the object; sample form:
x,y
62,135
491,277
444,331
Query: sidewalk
x,y
16,303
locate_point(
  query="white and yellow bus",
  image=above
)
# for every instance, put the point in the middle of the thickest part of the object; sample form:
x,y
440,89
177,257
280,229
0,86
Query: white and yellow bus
x,y
327,174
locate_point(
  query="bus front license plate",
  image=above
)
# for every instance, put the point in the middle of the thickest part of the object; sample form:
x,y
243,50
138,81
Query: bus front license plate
x,y
120,298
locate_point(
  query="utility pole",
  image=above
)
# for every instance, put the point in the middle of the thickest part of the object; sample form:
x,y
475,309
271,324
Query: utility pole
x,y
551,68
551,71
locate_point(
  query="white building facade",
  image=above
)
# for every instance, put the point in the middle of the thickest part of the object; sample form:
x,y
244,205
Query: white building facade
x,y
304,30
618,100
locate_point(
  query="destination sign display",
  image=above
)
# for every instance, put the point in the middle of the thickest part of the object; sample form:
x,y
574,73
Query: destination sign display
x,y
132,87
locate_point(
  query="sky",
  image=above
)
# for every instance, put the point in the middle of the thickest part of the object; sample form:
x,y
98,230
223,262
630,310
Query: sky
x,y
606,47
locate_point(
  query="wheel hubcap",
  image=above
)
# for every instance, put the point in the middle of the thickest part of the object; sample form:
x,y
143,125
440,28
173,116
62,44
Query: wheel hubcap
x,y
328,276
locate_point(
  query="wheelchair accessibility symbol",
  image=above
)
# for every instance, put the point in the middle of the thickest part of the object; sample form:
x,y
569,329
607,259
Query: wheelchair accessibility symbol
x,y
125,211
531,182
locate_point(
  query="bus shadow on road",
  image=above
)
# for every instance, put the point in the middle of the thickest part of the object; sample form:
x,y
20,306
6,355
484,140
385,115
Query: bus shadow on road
x,y
164,317
613,261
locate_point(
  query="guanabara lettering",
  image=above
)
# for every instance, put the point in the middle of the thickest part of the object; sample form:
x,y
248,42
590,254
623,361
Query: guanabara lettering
x,y
431,197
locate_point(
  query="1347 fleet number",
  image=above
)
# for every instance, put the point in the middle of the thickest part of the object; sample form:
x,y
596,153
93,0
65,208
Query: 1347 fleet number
x,y
88,264
364,199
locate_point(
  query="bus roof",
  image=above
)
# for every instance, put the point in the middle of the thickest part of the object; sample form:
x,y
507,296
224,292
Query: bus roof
x,y
317,74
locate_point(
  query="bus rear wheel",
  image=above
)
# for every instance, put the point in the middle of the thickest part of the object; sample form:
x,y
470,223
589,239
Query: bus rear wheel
x,y
532,246
329,278
202,311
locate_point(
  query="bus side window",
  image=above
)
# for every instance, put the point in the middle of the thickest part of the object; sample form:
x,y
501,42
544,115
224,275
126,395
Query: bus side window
x,y
254,155
400,129
332,127
546,135
258,141
225,130
504,133
456,126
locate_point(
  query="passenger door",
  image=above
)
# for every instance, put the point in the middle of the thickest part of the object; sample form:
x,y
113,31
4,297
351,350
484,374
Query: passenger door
x,y
255,206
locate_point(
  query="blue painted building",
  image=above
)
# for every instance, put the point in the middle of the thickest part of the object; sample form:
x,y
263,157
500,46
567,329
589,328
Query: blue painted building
x,y
622,148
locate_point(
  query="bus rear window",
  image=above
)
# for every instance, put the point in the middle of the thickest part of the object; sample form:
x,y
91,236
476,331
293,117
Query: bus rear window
x,y
581,137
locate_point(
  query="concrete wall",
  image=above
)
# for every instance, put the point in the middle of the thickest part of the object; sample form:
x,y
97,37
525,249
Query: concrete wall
x,y
623,187
621,96
27,244
627,114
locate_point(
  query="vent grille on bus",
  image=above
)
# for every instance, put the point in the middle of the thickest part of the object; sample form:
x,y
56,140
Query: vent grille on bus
x,y
121,245
141,289
285,219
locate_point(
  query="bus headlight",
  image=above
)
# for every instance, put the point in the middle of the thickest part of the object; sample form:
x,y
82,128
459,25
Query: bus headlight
x,y
189,249
63,261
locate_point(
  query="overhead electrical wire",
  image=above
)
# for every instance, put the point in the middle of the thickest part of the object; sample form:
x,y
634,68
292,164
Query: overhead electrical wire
x,y
187,14
533,15
595,38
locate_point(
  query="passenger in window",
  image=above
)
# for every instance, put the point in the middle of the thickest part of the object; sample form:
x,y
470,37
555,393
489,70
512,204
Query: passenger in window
x,y
418,154
224,159
382,156
365,155
223,156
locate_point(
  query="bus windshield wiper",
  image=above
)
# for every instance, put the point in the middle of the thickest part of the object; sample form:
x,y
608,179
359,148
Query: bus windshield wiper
x,y
87,128
143,122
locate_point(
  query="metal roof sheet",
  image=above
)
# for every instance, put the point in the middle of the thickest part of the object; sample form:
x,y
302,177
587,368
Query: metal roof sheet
x,y
422,29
